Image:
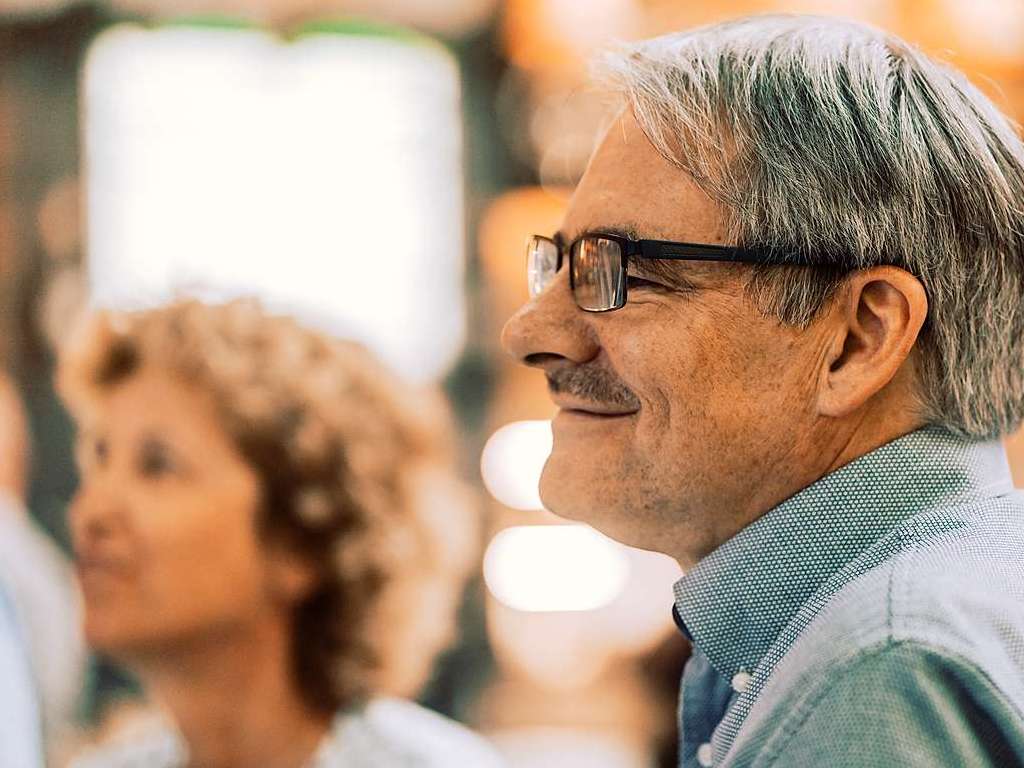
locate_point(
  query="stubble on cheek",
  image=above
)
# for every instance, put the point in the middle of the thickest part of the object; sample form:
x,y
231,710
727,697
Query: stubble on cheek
x,y
689,372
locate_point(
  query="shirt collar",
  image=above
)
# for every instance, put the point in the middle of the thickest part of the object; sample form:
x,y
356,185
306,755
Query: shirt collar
x,y
734,603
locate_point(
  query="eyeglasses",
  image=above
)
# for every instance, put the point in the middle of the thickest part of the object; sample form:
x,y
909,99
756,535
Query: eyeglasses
x,y
598,262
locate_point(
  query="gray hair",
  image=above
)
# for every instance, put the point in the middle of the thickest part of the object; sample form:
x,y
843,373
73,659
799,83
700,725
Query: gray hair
x,y
846,146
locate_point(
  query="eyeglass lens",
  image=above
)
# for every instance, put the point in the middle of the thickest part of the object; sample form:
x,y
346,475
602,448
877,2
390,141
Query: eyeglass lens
x,y
598,277
541,264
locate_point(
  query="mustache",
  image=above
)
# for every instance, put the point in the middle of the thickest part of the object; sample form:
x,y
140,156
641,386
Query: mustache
x,y
594,384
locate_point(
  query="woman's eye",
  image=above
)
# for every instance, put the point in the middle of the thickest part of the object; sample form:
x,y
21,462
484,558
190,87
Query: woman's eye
x,y
155,461
91,453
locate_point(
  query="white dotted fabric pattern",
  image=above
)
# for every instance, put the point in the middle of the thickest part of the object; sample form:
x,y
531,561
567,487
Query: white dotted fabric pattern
x,y
919,542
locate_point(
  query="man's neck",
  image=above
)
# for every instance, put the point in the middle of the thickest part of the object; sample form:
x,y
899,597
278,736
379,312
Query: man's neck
x,y
877,428
826,450
235,700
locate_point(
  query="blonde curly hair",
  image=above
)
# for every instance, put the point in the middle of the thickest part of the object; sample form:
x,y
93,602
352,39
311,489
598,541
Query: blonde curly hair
x,y
355,473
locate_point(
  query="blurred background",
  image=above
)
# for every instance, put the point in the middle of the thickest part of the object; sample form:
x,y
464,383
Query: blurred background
x,y
374,166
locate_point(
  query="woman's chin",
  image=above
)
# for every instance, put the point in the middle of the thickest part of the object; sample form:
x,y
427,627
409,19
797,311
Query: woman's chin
x,y
110,638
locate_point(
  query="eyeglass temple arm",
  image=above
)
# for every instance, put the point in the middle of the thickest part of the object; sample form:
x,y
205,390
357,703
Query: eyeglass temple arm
x,y
666,249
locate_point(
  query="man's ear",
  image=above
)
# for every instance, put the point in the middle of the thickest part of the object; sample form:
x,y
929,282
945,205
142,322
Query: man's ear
x,y
875,320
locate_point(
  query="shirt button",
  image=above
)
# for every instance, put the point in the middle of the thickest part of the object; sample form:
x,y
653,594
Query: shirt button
x,y
704,755
740,681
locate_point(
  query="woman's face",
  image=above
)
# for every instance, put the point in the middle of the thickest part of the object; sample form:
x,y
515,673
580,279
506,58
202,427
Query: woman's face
x,y
164,523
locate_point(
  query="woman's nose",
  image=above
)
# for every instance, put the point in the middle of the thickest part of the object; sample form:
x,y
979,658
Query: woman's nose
x,y
93,511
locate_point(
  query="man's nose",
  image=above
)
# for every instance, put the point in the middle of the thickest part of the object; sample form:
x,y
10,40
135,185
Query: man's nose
x,y
550,328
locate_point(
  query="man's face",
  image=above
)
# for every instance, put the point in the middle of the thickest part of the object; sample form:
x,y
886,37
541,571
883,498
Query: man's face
x,y
678,411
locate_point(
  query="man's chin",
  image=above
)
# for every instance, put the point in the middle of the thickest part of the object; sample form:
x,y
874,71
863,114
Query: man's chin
x,y
560,497
568,512
575,506
596,512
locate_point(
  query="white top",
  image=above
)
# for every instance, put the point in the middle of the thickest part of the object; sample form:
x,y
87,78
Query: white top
x,y
387,733
20,734
40,631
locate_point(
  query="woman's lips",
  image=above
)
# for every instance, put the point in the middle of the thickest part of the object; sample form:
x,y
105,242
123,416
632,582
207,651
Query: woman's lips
x,y
92,568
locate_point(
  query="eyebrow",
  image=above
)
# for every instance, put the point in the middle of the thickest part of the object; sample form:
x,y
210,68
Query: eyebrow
x,y
629,231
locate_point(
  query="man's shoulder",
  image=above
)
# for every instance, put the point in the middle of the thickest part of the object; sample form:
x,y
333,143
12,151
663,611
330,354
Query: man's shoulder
x,y
963,585
933,632
954,584
900,702
937,566
958,583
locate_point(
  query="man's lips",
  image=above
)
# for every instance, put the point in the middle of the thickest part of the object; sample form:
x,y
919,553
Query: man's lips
x,y
595,410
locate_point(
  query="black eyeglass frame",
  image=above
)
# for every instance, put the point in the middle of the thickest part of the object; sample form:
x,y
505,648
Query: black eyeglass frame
x,y
661,249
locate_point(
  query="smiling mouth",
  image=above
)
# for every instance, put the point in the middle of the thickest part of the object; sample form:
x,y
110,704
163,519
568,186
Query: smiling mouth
x,y
91,566
594,415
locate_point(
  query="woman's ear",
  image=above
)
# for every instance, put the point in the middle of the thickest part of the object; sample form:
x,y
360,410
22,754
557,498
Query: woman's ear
x,y
876,320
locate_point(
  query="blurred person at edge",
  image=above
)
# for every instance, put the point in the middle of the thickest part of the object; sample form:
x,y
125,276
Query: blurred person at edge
x,y
798,391
42,651
268,534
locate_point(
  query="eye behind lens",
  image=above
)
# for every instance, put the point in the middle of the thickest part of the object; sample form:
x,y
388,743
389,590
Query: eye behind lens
x,y
598,274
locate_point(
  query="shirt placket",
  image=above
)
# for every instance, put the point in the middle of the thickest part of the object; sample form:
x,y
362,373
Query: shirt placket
x,y
705,697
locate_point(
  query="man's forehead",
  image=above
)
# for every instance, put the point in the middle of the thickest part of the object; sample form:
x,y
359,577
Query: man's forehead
x,y
629,187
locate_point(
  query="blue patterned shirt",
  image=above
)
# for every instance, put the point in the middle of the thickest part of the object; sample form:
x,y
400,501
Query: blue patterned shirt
x,y
874,619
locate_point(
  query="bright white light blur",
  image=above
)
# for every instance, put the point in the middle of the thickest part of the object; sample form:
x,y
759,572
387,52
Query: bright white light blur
x,y
513,460
554,568
322,175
